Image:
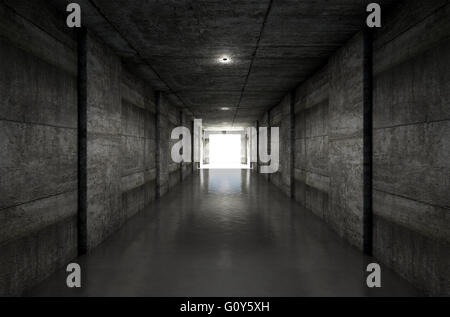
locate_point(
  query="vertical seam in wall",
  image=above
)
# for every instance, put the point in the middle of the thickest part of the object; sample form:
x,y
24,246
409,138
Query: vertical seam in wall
x,y
82,141
192,146
292,141
269,139
158,144
257,146
182,149
367,143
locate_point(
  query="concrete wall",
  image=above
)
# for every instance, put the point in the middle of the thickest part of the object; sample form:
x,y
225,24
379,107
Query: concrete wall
x,y
244,148
345,141
138,144
168,117
411,136
104,142
280,116
125,170
206,158
412,144
39,137
312,177
174,169
38,146
187,121
328,123
129,143
264,123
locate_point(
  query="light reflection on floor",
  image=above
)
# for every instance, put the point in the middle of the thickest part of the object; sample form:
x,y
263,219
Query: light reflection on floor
x,y
225,233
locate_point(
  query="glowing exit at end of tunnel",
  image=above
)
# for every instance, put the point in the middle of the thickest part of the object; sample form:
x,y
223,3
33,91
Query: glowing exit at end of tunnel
x,y
225,149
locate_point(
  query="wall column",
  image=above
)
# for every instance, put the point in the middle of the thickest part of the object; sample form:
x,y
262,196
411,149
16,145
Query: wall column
x,y
82,142
367,142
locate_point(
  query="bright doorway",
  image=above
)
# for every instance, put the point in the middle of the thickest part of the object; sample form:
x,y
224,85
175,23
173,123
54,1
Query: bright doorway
x,y
225,152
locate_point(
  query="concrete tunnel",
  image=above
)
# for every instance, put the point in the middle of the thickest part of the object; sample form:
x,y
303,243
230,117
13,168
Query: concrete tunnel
x,y
358,116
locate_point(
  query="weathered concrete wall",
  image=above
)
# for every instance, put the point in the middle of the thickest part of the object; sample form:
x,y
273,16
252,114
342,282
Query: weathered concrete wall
x,y
328,142
104,142
38,142
138,144
38,146
187,121
244,148
253,145
312,177
264,123
412,144
127,167
174,169
345,141
206,158
280,117
169,173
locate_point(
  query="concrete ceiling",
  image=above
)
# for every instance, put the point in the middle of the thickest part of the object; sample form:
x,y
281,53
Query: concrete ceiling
x,y
176,45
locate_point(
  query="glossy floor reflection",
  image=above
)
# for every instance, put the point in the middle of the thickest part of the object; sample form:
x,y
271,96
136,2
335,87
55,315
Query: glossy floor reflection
x,y
225,233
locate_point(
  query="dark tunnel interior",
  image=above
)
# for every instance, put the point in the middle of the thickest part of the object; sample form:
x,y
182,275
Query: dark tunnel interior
x,y
261,148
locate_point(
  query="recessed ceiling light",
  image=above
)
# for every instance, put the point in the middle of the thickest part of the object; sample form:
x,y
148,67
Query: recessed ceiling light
x,y
225,60
224,108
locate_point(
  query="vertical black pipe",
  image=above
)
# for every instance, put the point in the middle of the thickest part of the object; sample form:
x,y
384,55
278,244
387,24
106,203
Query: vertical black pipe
x,y
158,143
257,147
292,141
82,141
182,149
368,146
269,140
192,146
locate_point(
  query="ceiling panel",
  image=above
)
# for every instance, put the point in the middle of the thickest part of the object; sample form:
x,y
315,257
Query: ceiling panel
x,y
176,45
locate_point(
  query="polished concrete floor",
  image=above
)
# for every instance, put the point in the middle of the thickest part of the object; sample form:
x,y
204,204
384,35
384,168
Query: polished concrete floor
x,y
225,233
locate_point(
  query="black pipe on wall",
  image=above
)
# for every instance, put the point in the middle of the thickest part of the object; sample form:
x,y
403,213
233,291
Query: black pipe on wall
x,y
82,141
192,146
257,146
182,149
292,140
368,143
158,143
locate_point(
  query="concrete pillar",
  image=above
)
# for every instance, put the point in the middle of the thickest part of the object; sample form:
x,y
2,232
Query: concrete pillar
x,y
257,146
244,143
367,143
292,142
162,173
82,142
182,150
206,149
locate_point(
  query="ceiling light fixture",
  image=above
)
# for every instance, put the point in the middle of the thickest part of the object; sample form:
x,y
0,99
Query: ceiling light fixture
x,y
224,108
225,60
